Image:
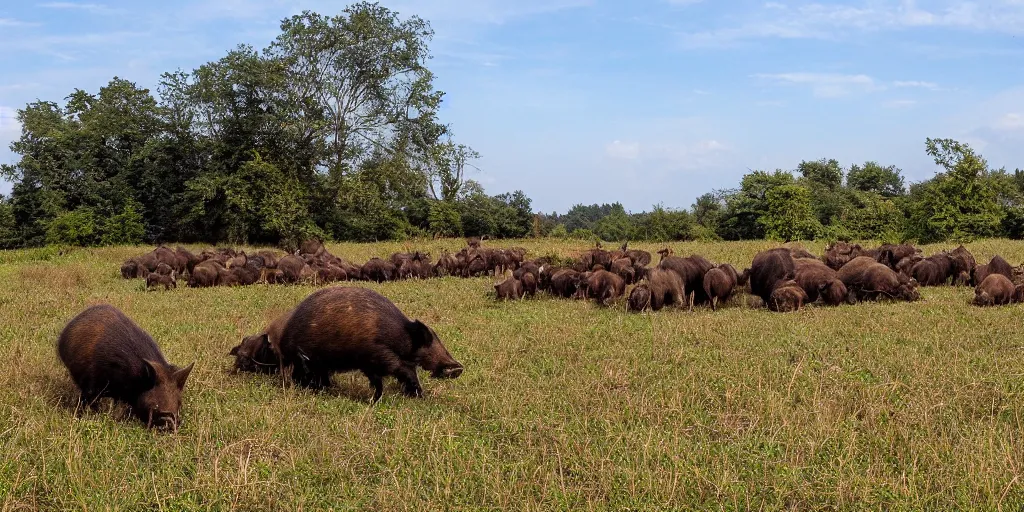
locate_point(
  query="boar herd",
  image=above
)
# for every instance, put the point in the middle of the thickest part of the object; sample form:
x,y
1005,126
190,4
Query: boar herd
x,y
311,263
782,279
342,329
335,329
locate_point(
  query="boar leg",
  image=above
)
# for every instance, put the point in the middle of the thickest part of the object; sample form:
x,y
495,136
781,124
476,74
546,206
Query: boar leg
x,y
377,383
410,382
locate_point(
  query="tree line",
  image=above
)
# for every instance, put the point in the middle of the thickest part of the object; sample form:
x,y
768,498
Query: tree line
x,y
332,132
822,200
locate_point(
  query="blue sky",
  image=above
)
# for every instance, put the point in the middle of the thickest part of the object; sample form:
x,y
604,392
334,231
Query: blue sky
x,y
583,101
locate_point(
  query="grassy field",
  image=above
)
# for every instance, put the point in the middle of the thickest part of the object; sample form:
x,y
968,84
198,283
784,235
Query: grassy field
x,y
563,405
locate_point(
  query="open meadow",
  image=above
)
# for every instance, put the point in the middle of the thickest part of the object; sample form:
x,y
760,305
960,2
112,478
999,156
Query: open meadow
x,y
563,404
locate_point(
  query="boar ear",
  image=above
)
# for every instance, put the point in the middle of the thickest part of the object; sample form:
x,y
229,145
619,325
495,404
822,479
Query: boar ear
x,y
180,376
153,370
234,351
420,333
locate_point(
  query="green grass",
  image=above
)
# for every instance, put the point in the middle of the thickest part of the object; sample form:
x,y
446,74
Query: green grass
x,y
563,405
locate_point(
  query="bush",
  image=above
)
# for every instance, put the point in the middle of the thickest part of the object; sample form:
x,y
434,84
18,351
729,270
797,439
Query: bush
x,y
790,216
77,228
444,219
559,232
125,228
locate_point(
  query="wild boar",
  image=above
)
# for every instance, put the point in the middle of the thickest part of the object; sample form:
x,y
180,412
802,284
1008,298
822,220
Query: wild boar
x,y
108,355
340,329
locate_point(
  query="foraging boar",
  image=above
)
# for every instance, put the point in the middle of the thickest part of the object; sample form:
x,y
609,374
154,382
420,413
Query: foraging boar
x,y
665,288
995,290
131,269
509,289
168,281
927,272
639,298
623,267
996,266
605,287
787,296
963,260
527,268
840,253
294,268
719,284
314,247
768,270
205,274
342,329
869,280
108,355
261,352
819,281
692,269
962,280
529,284
565,283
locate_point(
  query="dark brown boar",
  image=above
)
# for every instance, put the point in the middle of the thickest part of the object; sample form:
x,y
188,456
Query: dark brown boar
x,y
996,266
605,287
313,246
529,284
907,264
168,281
205,274
768,270
340,329
186,261
293,268
871,280
623,267
528,267
995,290
477,266
638,257
131,269
800,252
666,288
447,265
963,260
108,355
565,283
787,296
270,258
261,352
928,273
840,253
164,269
819,281
273,276
692,270
962,280
639,298
509,289
719,285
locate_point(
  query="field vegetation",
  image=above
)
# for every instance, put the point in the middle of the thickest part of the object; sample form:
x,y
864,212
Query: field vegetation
x,y
563,405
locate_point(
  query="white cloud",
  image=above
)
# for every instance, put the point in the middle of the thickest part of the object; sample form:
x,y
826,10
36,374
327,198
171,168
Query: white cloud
x,y
11,22
623,150
1011,122
94,8
899,103
914,83
824,85
833,21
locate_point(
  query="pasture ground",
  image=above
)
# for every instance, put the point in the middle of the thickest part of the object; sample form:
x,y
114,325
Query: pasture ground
x,y
563,405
